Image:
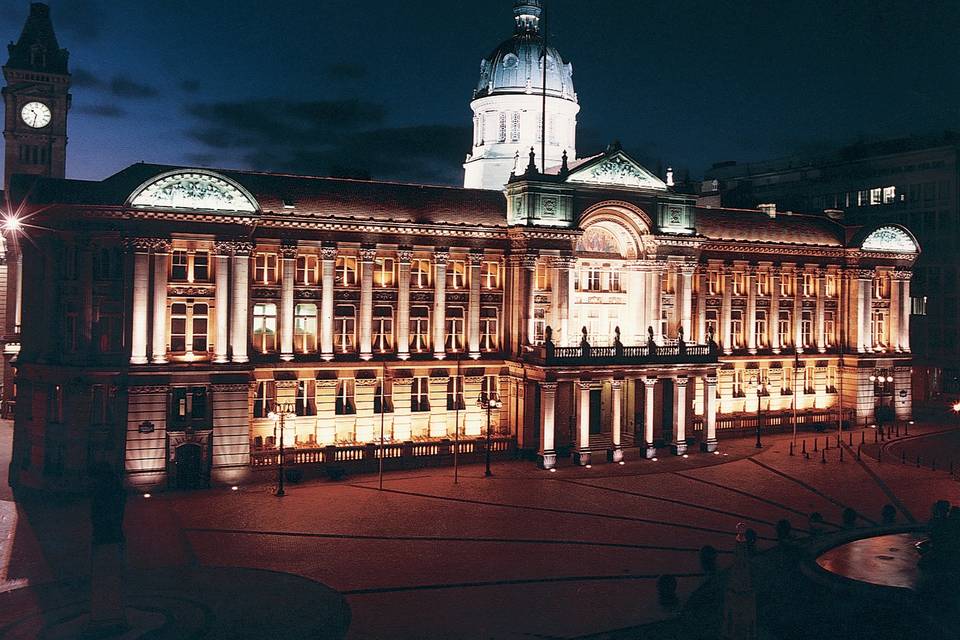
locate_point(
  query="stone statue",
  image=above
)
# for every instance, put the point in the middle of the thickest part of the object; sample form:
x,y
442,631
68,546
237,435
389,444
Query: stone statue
x,y
651,343
680,341
617,344
548,345
584,344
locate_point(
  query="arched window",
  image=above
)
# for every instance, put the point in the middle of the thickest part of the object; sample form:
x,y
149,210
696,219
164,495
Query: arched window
x,y
194,190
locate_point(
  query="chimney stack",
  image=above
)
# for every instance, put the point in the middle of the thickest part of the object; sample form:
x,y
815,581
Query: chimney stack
x,y
769,209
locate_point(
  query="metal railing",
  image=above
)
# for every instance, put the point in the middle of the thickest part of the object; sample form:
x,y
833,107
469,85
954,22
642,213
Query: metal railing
x,y
654,354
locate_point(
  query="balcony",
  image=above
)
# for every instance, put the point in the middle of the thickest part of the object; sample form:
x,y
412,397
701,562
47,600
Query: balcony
x,y
678,353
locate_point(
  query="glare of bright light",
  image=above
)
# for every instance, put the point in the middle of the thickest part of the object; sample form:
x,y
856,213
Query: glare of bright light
x,y
956,407
553,470
654,459
622,463
716,453
146,495
685,456
12,224
589,466
234,488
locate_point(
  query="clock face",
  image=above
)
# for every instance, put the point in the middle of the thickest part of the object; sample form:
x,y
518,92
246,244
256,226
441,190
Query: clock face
x,y
35,114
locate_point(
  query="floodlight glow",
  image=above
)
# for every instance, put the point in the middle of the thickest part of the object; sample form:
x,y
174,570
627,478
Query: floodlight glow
x,y
956,407
12,224
147,495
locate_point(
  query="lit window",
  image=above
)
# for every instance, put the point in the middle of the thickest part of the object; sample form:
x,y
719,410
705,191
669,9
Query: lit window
x,y
784,329
736,328
543,277
594,282
420,395
489,329
738,283
806,328
345,273
419,329
878,322
829,327
456,274
344,404
763,283
712,324
615,281
305,328
831,283
189,324
264,398
889,195
876,196
809,285
809,381
455,327
420,273
738,383
382,329
383,397
307,270
455,393
761,329
713,283
787,382
265,268
879,286
344,328
384,273
540,325
490,274
201,266
178,268
831,380
306,400
265,327
188,408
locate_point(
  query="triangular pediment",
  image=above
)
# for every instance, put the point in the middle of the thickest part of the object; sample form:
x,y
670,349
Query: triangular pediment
x,y
616,169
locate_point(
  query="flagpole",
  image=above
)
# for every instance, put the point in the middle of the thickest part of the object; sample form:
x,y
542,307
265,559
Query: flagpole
x,y
543,124
840,308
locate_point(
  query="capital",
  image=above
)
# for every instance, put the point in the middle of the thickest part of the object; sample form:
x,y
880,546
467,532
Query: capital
x,y
288,251
404,255
138,245
616,385
222,248
162,245
681,381
368,254
328,253
441,257
242,248
476,258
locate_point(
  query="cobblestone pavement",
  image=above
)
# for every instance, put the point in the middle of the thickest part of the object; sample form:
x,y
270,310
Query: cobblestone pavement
x,y
520,555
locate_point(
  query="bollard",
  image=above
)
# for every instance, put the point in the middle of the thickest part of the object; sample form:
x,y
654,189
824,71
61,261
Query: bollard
x,y
823,456
862,435
838,440
875,437
814,445
804,452
906,429
791,447
918,462
841,454
826,442
851,439
903,457
858,453
898,429
879,455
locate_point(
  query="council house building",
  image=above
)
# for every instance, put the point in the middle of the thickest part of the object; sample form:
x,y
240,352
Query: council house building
x,y
169,312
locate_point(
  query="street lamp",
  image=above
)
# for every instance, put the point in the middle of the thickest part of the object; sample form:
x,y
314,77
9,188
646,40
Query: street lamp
x,y
956,410
761,382
884,380
280,411
488,402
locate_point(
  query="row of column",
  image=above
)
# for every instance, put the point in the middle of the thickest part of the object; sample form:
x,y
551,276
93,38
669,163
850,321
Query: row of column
x,y
232,269
548,398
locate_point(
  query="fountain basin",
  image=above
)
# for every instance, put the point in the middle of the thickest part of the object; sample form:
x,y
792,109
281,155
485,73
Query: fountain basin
x,y
886,560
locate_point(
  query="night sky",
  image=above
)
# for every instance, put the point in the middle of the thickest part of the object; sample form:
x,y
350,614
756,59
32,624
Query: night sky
x,y
383,88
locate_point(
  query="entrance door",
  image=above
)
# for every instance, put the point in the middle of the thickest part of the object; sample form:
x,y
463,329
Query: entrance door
x,y
667,412
595,426
189,466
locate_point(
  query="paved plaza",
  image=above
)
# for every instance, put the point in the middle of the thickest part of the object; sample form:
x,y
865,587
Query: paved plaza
x,y
523,554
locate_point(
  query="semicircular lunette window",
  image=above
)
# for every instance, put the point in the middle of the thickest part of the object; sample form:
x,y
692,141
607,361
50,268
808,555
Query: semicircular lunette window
x,y
892,239
194,191
599,240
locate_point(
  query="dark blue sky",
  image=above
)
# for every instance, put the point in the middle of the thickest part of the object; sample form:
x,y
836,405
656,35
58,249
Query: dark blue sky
x,y
383,88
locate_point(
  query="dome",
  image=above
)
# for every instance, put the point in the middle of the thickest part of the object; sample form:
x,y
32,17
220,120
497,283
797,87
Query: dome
x,y
515,66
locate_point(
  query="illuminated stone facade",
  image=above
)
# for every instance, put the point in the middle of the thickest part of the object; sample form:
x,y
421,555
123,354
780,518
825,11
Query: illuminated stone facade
x,y
165,331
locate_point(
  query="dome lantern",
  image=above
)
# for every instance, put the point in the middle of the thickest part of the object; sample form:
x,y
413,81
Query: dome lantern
x,y
527,14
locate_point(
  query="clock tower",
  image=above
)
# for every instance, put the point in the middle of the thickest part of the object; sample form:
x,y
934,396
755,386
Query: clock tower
x,y
36,100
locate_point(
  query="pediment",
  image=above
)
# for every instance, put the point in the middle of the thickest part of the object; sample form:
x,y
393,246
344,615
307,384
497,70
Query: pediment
x,y
617,170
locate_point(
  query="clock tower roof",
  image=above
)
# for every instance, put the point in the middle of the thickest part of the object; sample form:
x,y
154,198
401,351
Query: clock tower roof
x,y
38,49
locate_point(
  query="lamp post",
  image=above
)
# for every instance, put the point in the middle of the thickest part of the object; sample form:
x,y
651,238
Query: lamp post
x,y
280,412
488,402
760,381
956,410
884,380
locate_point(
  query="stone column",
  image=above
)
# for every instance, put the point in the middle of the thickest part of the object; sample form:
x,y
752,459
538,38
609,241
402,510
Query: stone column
x,y
798,308
905,303
328,258
773,321
710,410
401,408
473,309
893,320
685,283
367,257
637,297
440,304
726,309
221,265
656,294
751,315
616,454
680,415
548,397
404,256
528,276
582,454
701,329
288,254
561,299
819,320
240,303
161,258
649,387
865,288
141,287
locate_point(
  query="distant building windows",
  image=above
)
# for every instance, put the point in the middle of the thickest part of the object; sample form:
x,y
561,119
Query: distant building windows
x,y
543,277
515,127
502,131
